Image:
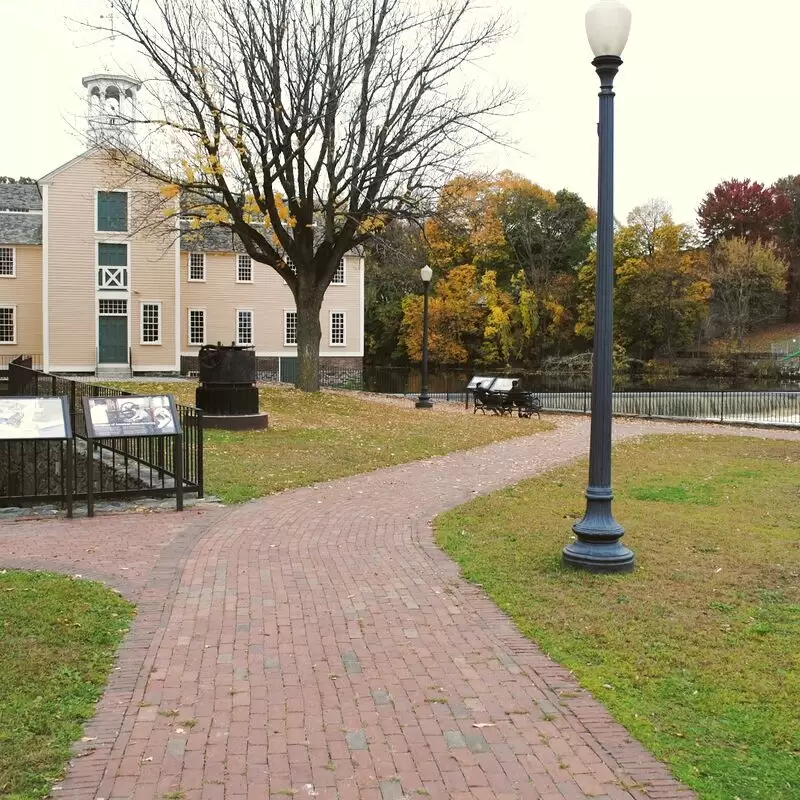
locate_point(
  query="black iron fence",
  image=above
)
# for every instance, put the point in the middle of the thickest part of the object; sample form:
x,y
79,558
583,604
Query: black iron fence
x,y
776,407
33,359
682,401
32,471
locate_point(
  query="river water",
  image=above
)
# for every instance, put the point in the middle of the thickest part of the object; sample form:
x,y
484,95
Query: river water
x,y
709,400
408,380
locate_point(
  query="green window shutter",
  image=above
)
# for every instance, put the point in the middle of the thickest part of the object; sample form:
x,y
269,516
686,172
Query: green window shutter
x,y
112,211
112,255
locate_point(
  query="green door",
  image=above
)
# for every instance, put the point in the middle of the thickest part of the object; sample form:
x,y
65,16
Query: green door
x,y
288,369
113,340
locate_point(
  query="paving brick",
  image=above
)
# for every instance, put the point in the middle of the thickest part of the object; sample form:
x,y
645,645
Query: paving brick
x,y
351,663
356,740
476,742
381,697
391,790
307,630
454,739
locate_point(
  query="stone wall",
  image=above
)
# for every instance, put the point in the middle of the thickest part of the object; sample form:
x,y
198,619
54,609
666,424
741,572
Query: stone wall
x,y
334,370
266,368
355,363
346,372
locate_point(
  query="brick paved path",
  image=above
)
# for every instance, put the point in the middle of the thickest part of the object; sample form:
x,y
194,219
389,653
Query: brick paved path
x,y
317,644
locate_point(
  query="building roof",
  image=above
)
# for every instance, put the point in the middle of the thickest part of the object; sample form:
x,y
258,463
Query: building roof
x,y
20,197
20,228
218,239
211,239
110,78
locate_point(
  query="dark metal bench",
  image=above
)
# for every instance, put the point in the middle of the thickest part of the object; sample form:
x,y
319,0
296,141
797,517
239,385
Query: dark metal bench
x,y
528,404
496,402
502,403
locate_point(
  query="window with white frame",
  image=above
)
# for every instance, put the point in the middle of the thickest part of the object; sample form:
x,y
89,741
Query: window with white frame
x,y
338,276
244,268
289,327
244,327
112,265
8,262
197,326
112,211
337,328
113,308
197,266
8,324
290,264
151,323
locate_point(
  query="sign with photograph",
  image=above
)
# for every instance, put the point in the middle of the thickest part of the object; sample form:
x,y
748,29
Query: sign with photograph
x,y
118,417
34,418
503,384
477,379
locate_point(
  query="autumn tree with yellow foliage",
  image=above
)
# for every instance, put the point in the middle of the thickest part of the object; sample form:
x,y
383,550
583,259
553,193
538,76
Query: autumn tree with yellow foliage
x,y
661,295
465,227
747,280
305,126
527,243
455,317
470,318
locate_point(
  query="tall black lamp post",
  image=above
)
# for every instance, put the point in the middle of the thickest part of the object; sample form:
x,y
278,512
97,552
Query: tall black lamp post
x,y
426,273
597,547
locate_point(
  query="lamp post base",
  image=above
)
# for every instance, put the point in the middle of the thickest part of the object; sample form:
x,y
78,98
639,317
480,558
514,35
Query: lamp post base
x,y
598,556
423,402
598,547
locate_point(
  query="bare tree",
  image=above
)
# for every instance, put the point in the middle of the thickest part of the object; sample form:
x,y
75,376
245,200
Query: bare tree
x,y
647,219
304,126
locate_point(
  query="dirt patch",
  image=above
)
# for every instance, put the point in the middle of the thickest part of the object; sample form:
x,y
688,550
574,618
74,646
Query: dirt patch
x,y
439,406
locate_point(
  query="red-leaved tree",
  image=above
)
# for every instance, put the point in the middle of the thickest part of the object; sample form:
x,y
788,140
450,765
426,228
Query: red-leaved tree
x,y
788,240
741,209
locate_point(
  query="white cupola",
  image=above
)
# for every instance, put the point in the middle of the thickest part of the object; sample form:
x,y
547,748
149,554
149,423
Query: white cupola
x,y
111,108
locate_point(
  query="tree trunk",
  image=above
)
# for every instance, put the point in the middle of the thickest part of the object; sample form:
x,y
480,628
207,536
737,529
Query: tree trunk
x,y
309,334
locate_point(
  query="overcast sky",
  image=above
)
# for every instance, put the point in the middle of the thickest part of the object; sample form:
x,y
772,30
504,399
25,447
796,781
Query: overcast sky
x,y
707,92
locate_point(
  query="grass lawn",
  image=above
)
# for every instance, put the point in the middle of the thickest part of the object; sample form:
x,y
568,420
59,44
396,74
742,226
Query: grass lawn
x,y
58,637
760,341
697,653
315,437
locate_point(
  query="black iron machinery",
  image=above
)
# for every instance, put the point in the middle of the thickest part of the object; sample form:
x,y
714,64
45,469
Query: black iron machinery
x,y
227,380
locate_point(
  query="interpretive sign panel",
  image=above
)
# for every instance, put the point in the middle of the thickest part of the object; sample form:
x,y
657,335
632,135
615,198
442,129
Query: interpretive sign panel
x,y
477,379
34,418
122,417
503,384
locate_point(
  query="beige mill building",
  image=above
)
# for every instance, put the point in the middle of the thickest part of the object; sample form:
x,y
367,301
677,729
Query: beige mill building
x,y
88,291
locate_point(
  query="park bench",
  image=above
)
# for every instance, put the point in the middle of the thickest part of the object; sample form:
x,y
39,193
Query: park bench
x,y
502,402
496,402
528,404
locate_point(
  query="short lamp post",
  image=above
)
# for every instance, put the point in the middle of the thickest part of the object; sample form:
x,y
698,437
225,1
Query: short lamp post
x,y
426,273
597,547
